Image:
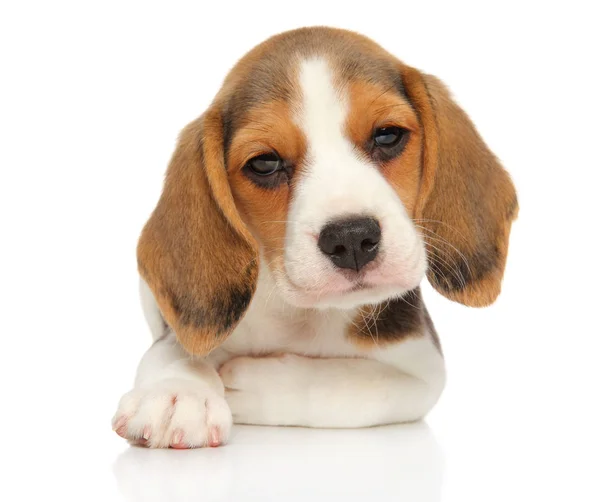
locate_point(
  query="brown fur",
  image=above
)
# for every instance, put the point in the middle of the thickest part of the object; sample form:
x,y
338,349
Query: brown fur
x,y
265,129
467,200
198,251
201,293
373,106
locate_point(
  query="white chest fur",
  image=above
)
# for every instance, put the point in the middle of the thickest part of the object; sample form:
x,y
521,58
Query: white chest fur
x,y
273,326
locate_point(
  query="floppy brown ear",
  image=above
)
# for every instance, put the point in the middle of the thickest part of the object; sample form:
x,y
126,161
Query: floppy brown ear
x,y
195,252
467,201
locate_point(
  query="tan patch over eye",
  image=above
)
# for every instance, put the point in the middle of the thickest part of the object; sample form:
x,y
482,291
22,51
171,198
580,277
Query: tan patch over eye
x,y
266,130
373,107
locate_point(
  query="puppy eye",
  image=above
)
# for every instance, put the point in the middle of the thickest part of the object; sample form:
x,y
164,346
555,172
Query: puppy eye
x,y
266,164
387,137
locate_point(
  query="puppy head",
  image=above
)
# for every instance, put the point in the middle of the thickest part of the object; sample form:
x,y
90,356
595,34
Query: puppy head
x,y
347,174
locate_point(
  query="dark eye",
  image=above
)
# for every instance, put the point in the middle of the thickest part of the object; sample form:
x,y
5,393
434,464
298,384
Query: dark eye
x,y
388,143
387,137
266,164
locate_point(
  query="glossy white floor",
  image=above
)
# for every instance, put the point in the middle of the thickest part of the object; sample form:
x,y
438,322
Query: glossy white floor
x,y
291,464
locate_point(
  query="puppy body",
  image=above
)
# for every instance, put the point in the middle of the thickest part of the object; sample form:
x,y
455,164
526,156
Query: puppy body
x,y
287,366
255,318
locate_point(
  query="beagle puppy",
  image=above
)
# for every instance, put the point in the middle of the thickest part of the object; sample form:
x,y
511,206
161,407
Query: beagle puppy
x,y
280,270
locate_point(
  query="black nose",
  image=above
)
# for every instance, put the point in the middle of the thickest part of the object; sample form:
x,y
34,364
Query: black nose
x,y
351,243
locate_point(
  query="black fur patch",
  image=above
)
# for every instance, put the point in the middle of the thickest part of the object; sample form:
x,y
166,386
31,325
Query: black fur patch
x,y
188,309
231,306
223,311
402,315
399,318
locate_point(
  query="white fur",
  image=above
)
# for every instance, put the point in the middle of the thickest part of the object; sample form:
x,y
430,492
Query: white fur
x,y
151,313
175,400
337,183
286,364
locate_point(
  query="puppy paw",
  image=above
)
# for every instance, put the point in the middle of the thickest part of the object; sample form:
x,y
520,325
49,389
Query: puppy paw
x,y
173,413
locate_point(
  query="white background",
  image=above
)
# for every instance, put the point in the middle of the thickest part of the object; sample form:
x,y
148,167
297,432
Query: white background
x,y
92,97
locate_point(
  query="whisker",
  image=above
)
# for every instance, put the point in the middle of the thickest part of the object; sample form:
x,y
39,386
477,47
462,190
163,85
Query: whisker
x,y
349,319
454,229
407,302
367,325
457,250
450,266
443,267
438,238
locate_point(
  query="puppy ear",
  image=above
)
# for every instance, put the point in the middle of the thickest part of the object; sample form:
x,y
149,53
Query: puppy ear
x,y
195,252
467,201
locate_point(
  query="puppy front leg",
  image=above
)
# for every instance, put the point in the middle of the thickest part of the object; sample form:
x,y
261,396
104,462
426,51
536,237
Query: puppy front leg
x,y
176,401
310,392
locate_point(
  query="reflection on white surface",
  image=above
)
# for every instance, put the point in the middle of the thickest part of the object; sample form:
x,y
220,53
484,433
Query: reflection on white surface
x,y
400,462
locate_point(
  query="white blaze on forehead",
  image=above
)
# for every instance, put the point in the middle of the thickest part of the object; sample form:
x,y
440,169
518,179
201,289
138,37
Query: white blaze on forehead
x,y
332,166
335,181
323,111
